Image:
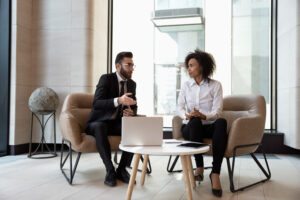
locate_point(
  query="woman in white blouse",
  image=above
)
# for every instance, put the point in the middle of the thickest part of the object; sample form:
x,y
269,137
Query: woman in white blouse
x,y
200,103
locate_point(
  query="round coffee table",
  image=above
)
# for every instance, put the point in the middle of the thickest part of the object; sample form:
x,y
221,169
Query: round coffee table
x,y
168,148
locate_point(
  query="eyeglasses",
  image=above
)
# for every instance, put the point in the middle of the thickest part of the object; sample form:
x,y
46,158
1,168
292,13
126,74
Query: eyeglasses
x,y
129,65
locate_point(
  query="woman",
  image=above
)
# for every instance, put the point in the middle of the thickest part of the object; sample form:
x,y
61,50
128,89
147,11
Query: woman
x,y
200,103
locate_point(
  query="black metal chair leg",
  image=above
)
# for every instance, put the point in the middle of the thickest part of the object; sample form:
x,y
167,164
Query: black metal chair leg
x,y
116,157
63,161
149,168
231,169
171,169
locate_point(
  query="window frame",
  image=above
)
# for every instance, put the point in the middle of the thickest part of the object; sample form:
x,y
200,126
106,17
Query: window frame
x,y
5,62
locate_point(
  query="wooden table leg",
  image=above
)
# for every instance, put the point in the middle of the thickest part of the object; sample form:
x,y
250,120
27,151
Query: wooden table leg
x,y
191,172
145,162
136,160
186,177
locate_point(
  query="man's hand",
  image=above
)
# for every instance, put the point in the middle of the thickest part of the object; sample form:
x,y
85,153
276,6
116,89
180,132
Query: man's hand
x,y
128,112
125,100
195,113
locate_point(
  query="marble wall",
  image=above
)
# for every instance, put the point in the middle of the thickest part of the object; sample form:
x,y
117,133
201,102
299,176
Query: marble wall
x,y
61,44
21,71
288,70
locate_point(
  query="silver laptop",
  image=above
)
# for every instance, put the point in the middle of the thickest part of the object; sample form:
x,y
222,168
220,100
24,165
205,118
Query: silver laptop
x,y
142,131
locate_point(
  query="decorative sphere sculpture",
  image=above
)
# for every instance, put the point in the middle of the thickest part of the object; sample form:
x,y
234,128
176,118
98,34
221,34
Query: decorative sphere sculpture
x,y
43,101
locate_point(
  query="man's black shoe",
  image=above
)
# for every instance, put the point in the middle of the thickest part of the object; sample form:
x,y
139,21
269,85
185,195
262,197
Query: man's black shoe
x,y
123,175
110,178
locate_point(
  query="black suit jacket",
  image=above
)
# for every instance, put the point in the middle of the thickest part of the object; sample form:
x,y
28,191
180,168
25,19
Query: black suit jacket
x,y
108,89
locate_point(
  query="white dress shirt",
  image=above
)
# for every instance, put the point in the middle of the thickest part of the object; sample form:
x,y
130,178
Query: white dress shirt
x,y
207,97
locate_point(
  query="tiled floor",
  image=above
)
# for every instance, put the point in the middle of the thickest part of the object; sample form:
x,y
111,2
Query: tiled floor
x,y
24,178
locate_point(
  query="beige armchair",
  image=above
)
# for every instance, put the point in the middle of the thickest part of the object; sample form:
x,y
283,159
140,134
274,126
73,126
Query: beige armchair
x,y
72,121
245,116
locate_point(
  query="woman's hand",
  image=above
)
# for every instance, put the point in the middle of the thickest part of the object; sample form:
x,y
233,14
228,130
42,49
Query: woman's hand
x,y
195,113
187,116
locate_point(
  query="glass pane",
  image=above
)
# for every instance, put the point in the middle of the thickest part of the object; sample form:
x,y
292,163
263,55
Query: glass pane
x,y
171,45
136,35
159,52
251,49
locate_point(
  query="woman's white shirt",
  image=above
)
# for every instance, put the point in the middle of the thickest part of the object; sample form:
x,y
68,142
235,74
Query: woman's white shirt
x,y
207,97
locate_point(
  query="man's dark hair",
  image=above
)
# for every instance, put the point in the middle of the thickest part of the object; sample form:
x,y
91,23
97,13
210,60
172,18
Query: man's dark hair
x,y
205,60
122,55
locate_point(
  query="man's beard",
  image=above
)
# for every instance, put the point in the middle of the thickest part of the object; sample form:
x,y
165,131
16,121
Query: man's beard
x,y
125,74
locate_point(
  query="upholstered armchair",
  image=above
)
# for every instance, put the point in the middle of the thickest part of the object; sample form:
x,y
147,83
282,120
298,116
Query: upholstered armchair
x,y
245,116
72,121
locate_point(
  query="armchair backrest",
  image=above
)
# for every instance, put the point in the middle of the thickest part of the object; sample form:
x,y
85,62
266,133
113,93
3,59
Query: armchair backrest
x,y
79,105
73,118
246,116
236,106
253,104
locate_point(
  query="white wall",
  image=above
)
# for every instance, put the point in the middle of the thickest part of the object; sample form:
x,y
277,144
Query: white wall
x,y
288,64
59,44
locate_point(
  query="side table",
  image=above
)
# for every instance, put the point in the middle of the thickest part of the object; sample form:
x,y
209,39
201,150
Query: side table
x,y
168,148
43,102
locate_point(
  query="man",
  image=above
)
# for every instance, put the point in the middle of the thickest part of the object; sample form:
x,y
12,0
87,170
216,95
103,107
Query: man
x,y
114,98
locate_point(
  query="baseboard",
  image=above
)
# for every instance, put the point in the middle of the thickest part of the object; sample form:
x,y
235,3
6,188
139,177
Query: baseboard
x,y
18,149
24,148
272,143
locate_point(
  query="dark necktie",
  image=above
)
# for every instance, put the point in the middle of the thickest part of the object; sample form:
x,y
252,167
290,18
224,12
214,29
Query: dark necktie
x,y
120,110
122,88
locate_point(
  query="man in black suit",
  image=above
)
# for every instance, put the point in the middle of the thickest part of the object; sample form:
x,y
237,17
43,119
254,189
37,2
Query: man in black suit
x,y
114,98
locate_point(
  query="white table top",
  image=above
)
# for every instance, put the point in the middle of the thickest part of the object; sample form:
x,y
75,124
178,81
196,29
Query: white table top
x,y
169,147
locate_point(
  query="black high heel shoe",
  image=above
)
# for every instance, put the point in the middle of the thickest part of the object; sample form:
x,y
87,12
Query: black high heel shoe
x,y
217,193
198,177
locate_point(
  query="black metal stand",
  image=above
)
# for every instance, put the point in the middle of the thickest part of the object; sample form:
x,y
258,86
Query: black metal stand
x,y
42,144
148,171
171,169
231,169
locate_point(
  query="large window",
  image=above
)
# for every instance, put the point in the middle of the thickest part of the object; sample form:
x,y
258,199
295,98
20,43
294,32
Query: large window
x,y
160,33
251,49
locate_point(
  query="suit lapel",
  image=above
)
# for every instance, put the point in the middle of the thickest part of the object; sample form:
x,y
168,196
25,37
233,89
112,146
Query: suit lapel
x,y
115,84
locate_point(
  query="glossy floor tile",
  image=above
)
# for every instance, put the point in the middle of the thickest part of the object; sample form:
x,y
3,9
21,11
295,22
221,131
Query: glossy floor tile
x,y
24,178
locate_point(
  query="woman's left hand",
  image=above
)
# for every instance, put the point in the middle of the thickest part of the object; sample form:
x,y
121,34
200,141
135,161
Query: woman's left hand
x,y
197,113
